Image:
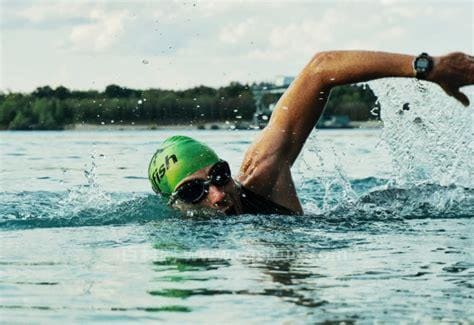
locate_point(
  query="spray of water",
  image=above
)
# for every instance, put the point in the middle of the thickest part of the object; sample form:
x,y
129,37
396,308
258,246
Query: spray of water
x,y
428,137
428,134
84,205
87,196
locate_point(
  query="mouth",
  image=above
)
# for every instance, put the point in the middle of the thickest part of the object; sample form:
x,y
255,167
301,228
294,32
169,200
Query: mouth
x,y
227,206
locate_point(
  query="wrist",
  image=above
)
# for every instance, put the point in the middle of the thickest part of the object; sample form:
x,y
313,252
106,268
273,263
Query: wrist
x,y
431,75
422,66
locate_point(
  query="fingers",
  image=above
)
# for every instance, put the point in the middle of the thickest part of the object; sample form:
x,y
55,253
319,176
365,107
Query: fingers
x,y
456,93
461,97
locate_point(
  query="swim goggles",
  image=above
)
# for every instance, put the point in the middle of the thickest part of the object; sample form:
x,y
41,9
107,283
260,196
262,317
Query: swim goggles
x,y
195,190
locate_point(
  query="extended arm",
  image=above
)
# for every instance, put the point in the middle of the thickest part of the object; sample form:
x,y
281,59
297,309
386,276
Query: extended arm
x,y
300,108
271,155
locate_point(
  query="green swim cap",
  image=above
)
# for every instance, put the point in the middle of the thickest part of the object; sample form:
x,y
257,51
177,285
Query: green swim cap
x,y
177,158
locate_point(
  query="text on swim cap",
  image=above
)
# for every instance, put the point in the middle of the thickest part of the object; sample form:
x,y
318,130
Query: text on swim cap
x,y
160,173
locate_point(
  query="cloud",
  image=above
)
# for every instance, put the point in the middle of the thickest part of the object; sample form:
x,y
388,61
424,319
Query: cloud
x,y
47,11
189,42
104,31
232,34
300,38
23,15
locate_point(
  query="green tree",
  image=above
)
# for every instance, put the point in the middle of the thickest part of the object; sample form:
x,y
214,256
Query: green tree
x,y
46,115
62,93
114,91
10,106
43,92
21,122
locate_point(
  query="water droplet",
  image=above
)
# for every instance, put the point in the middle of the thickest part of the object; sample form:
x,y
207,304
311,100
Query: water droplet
x,y
102,123
417,120
140,102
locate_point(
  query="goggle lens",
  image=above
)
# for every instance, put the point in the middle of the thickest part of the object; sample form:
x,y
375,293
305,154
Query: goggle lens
x,y
192,191
195,190
220,174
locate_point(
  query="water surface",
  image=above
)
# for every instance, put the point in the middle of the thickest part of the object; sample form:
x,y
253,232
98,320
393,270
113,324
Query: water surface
x,y
387,233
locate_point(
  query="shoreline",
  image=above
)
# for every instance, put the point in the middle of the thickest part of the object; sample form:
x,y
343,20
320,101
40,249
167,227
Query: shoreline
x,y
147,126
201,126
242,126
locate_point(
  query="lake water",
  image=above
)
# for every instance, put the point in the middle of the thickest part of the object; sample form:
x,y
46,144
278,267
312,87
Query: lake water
x,y
386,235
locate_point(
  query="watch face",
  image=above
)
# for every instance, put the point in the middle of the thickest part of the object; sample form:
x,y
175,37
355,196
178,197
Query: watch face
x,y
422,63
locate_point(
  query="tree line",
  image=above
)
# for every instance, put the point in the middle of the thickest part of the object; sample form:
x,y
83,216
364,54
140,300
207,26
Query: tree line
x,y
53,109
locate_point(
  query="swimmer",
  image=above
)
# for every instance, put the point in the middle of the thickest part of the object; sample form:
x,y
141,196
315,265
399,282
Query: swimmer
x,y
192,177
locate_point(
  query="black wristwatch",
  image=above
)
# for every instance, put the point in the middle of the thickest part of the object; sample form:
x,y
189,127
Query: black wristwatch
x,y
422,65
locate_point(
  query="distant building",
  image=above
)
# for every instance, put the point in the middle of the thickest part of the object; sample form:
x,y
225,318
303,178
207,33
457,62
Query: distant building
x,y
283,81
263,113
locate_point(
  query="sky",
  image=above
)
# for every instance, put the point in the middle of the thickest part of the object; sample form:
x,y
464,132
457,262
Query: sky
x,y
180,44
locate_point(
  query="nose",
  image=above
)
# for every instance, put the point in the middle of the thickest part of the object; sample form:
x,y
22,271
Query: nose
x,y
215,195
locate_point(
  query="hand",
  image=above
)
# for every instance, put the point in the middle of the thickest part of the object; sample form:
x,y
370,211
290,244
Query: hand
x,y
453,71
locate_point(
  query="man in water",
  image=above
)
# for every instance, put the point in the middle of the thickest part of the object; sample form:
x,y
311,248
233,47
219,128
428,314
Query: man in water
x,y
193,178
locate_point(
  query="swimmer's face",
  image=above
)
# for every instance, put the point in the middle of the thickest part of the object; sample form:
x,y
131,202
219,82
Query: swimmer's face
x,y
224,199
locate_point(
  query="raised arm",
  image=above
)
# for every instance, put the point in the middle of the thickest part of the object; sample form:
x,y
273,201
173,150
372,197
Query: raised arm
x,y
301,106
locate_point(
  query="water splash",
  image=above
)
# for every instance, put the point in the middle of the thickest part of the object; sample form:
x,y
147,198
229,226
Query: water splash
x,y
87,196
83,205
428,137
432,140
26,210
336,183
